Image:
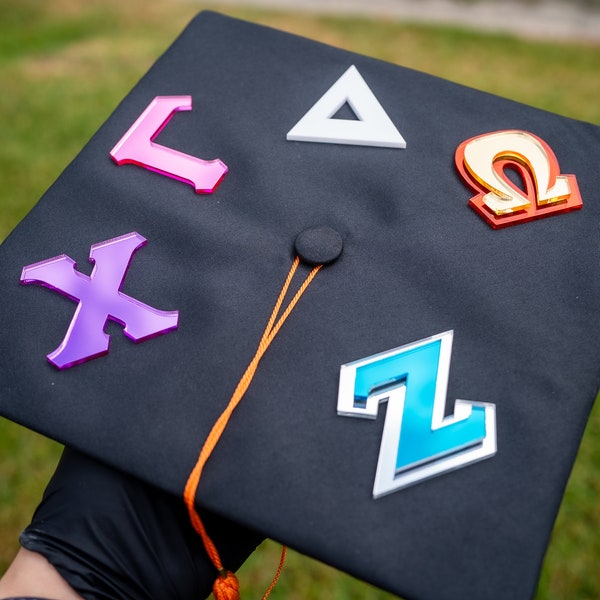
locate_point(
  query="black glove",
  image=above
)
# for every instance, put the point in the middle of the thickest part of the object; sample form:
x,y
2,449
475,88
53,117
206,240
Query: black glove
x,y
113,537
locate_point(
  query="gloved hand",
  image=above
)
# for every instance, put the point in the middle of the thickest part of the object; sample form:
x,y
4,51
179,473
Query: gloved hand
x,y
113,537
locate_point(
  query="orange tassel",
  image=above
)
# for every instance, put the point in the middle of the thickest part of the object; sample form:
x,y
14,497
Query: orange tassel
x,y
226,587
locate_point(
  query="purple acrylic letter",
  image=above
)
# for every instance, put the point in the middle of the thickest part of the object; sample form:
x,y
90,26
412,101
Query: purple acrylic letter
x,y
137,147
99,299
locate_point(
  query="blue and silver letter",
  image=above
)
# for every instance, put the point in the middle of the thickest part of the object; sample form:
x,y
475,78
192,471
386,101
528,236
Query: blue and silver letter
x,y
418,441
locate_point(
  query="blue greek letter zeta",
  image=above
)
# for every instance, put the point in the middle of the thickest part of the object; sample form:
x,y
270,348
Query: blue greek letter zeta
x,y
418,441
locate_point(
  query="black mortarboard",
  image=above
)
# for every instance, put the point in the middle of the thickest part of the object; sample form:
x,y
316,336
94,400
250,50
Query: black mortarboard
x,y
442,281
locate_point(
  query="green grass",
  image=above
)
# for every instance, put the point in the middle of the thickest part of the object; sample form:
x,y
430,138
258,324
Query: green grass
x,y
64,65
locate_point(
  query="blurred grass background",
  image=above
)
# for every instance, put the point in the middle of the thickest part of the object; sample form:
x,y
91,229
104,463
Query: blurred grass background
x,y
65,64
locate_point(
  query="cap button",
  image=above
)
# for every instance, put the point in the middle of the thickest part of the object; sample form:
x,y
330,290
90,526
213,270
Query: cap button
x,y
319,245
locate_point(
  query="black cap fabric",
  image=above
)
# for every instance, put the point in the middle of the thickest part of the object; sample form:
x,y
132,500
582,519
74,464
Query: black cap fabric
x,y
455,312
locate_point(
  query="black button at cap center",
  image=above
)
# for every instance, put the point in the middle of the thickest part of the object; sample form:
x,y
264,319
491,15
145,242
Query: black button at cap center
x,y
319,245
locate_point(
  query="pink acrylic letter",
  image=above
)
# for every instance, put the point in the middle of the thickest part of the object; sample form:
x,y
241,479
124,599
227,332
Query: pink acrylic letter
x,y
137,147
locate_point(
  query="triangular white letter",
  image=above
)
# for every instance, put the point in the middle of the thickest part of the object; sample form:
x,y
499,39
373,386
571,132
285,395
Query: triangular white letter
x,y
373,127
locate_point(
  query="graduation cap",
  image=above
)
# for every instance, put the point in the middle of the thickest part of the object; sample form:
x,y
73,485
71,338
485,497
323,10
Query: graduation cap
x,y
431,254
